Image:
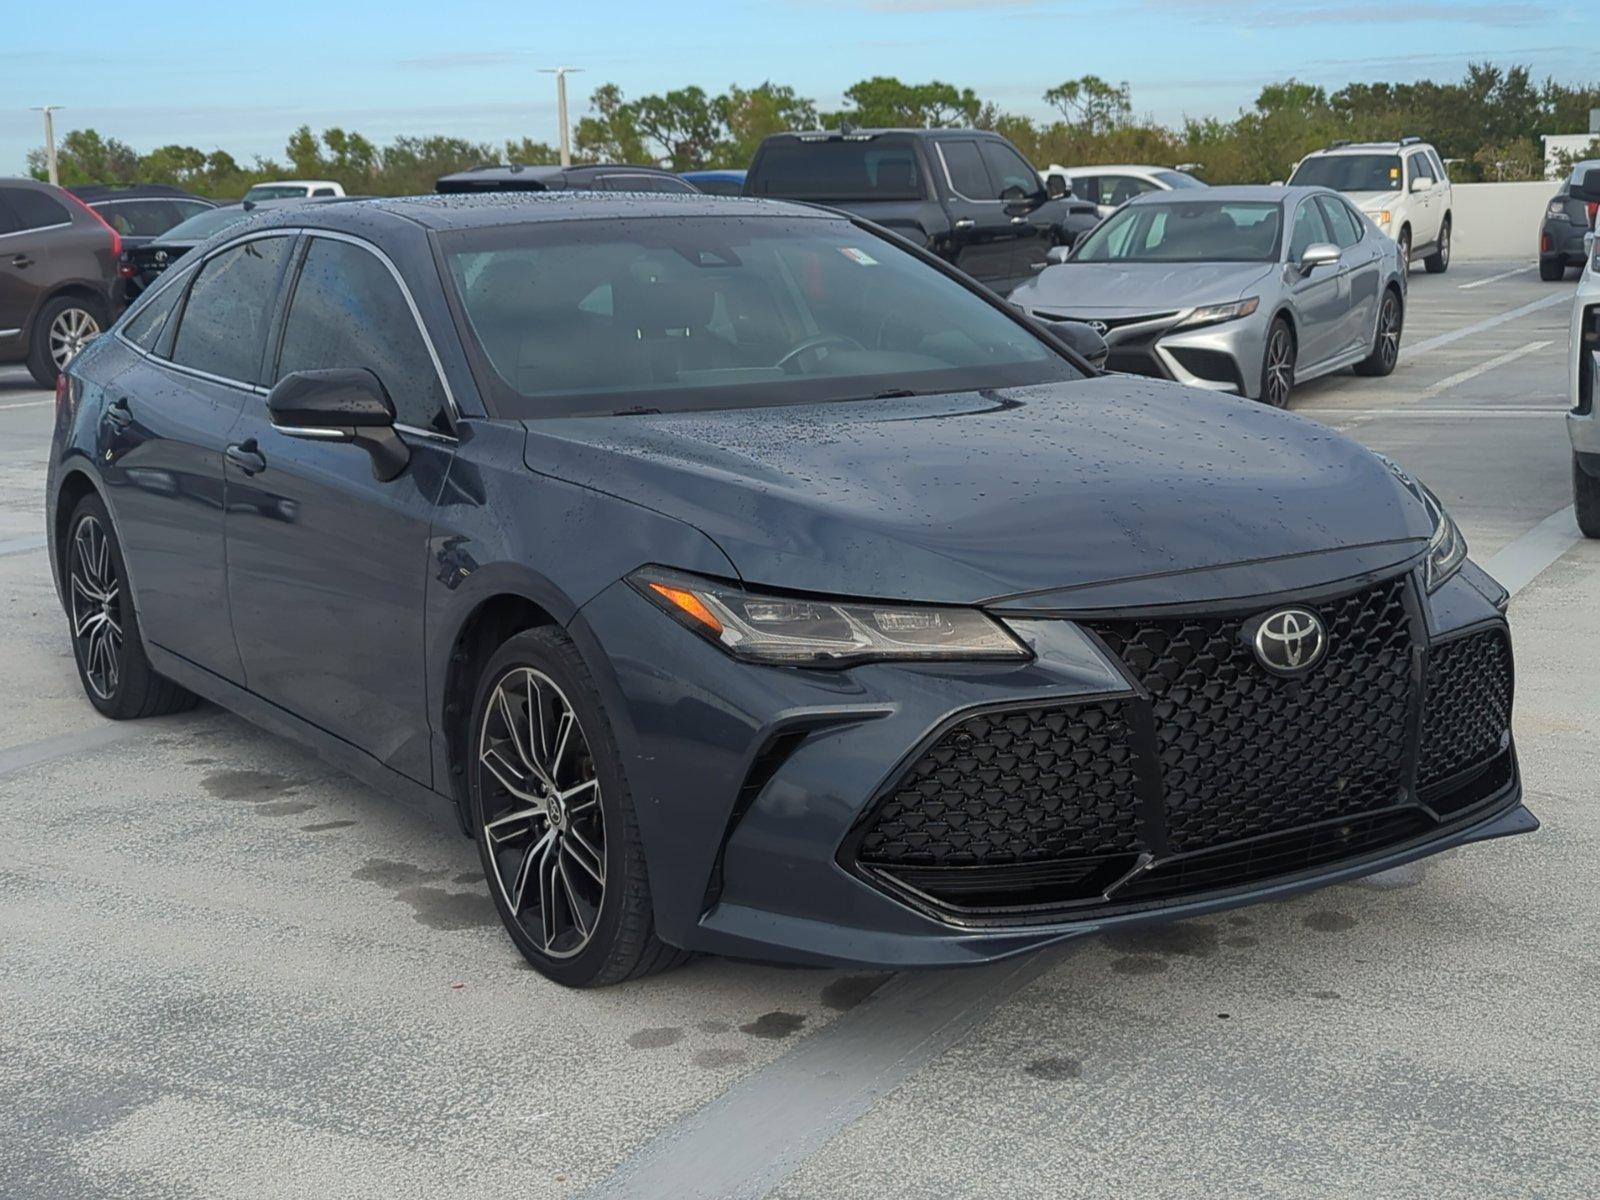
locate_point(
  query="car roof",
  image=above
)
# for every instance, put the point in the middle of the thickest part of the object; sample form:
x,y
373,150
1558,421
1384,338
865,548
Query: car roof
x,y
1101,168
1258,192
100,193
480,210
489,175
1369,147
295,183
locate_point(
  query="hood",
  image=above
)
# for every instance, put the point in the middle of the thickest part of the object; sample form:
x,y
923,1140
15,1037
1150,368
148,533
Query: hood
x,y
976,496
1130,289
1367,201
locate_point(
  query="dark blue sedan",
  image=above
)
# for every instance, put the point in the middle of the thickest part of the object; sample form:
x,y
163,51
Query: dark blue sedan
x,y
746,581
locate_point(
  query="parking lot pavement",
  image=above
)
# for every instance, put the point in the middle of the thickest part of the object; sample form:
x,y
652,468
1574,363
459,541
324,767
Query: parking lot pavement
x,y
225,970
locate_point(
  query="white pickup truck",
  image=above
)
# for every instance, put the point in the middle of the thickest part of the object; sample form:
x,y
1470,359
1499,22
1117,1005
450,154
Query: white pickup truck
x,y
294,189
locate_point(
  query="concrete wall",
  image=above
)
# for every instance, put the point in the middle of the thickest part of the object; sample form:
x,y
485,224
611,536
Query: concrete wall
x,y
1498,220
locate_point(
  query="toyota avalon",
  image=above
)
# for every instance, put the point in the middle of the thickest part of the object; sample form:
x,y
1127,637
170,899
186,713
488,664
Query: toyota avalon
x,y
747,581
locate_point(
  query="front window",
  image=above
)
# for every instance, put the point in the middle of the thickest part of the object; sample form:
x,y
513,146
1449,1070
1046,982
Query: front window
x,y
276,191
1351,172
1187,231
202,225
604,316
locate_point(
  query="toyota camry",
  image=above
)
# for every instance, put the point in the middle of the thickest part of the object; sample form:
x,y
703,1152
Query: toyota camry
x,y
745,580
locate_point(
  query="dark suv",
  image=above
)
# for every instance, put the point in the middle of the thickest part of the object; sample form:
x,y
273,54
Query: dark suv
x,y
58,276
591,177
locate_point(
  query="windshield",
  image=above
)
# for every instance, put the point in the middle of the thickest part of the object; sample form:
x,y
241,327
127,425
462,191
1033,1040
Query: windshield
x,y
838,170
202,225
1179,179
1187,231
602,316
276,191
1351,172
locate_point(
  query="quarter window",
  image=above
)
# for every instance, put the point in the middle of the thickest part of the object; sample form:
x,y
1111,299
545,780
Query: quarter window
x,y
348,311
144,326
965,165
224,323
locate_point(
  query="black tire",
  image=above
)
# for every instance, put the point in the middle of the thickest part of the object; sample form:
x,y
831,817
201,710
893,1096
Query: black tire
x,y
112,666
1439,261
1386,341
45,359
1404,242
1552,270
1586,499
1277,365
544,674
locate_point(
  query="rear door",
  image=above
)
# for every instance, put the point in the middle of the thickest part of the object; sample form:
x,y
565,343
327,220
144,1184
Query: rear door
x,y
1322,297
984,236
29,220
327,565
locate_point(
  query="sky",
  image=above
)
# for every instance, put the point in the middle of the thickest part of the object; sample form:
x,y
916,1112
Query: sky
x,y
242,76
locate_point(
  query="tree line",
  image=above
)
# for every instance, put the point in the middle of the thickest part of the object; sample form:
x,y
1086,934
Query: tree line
x,y
1488,123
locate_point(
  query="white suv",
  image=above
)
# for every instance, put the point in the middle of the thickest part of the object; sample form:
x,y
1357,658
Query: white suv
x,y
1110,187
1583,374
1401,185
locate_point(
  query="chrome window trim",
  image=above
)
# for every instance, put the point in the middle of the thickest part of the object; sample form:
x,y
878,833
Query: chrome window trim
x,y
312,433
37,229
9,332
939,144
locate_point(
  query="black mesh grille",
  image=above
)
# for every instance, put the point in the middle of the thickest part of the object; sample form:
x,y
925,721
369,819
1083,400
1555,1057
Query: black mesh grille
x,y
1244,753
1468,707
1024,786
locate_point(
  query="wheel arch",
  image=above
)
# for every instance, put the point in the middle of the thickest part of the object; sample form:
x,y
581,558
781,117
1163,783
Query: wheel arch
x,y
76,483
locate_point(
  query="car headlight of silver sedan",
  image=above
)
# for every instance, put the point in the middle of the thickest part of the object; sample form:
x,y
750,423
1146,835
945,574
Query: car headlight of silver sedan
x,y
809,632
1447,547
1215,314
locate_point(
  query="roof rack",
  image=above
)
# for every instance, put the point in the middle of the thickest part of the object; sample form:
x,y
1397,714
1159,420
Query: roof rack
x,y
1410,140
1340,144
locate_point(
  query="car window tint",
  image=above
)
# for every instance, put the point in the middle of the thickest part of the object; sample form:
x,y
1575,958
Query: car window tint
x,y
35,210
8,221
1013,177
224,320
1119,189
1309,229
874,169
965,165
1439,172
1185,231
144,327
1086,187
190,208
139,218
1420,167
347,311
1341,224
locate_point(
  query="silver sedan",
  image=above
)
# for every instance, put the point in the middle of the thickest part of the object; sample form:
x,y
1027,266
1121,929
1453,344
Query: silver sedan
x,y
1241,289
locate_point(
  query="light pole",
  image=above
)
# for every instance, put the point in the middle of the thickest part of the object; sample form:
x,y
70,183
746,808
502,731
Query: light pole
x,y
50,139
561,74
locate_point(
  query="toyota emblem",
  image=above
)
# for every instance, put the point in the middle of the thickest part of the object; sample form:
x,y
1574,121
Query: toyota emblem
x,y
1099,327
1290,641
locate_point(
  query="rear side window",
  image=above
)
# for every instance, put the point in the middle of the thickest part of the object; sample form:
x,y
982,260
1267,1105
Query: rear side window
x,y
347,311
35,210
1013,178
224,323
642,183
839,170
139,218
968,176
1346,232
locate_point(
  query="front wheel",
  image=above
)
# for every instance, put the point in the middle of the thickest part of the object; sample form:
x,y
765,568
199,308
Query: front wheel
x,y
1277,365
1586,499
1439,261
1386,342
554,821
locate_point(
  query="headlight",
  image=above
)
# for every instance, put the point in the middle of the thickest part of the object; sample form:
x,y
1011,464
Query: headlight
x,y
794,631
1447,548
1382,217
1212,314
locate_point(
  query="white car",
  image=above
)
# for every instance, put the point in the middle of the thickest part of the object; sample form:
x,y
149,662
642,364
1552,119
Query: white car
x,y
1110,187
294,189
1583,373
1402,186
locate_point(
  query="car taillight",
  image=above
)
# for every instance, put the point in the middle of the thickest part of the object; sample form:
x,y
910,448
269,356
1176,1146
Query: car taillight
x,y
63,390
1593,206
116,238
1544,243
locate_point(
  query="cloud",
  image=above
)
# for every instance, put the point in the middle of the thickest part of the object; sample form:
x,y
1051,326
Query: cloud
x,y
1283,13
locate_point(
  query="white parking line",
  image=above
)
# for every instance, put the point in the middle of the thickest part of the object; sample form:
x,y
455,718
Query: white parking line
x,y
26,404
1478,283
1564,296
31,754
1330,415
764,1128
1483,368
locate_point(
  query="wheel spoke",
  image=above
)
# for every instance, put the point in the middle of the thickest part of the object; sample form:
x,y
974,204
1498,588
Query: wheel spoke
x,y
491,828
563,736
547,900
532,857
508,777
513,732
572,899
592,786
585,855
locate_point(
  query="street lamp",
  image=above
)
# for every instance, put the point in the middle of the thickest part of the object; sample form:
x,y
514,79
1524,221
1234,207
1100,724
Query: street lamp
x,y
50,139
561,74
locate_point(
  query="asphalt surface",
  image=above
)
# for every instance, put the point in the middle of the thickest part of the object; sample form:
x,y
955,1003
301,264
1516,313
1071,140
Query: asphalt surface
x,y
227,971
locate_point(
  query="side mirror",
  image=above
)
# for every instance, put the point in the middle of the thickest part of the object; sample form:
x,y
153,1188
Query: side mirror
x,y
1057,254
1419,184
1587,187
1056,186
1318,254
1088,342
341,404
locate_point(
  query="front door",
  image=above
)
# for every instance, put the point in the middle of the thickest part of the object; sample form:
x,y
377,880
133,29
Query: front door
x,y
1321,297
326,564
982,231
1022,198
1364,264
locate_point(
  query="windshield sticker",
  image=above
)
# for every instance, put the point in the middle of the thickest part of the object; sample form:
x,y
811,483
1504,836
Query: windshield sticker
x,y
860,257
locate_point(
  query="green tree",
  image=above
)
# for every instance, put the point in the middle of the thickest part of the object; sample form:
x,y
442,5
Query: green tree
x,y
1092,104
84,156
750,114
612,133
884,102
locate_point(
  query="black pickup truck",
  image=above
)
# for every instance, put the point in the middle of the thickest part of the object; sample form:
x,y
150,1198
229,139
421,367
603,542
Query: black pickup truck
x,y
967,195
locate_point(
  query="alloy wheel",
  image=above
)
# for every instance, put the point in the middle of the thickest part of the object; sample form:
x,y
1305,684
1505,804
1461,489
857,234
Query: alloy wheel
x,y
1278,376
70,332
1444,247
1389,332
544,826
96,608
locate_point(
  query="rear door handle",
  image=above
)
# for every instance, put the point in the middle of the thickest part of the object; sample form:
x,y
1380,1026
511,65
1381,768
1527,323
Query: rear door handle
x,y
118,414
246,456
21,260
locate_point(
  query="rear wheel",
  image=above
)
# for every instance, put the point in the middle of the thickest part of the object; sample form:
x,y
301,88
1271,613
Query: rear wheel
x,y
1439,261
1586,499
554,821
1386,342
1277,365
1404,241
1552,270
116,675
64,327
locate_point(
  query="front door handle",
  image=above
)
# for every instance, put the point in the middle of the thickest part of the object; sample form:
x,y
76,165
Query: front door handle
x,y
21,260
118,414
246,456
966,223
1019,220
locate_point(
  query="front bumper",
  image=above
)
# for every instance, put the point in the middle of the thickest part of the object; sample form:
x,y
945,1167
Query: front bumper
x,y
1225,357
752,785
